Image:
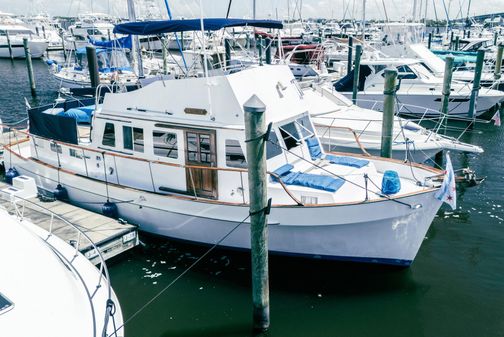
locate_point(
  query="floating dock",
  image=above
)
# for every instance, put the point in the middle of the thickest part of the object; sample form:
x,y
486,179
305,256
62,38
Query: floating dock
x,y
110,236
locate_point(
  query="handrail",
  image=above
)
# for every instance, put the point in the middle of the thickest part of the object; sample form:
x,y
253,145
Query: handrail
x,y
347,129
103,271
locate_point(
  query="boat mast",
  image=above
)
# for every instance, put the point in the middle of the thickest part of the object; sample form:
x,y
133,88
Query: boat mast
x,y
364,19
136,52
414,10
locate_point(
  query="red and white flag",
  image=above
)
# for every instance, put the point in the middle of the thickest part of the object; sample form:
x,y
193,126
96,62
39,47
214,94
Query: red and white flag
x,y
496,118
448,191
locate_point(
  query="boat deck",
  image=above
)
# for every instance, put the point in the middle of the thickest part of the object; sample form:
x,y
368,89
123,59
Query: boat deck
x,y
110,236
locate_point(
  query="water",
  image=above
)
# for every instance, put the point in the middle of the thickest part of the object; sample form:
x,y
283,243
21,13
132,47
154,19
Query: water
x,y
454,288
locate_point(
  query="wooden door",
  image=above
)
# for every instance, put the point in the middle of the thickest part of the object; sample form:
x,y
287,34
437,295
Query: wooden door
x,y
201,151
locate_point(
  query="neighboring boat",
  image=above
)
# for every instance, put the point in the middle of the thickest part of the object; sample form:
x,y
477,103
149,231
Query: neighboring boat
x,y
345,127
48,288
171,157
15,31
97,26
418,86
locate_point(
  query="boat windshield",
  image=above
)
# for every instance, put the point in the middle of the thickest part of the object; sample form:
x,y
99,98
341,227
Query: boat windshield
x,y
5,304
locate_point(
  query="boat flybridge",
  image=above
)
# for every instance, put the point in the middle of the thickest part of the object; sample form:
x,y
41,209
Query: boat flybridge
x,y
171,157
48,288
13,30
418,86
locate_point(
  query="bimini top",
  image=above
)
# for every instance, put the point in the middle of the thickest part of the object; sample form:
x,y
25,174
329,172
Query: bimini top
x,y
172,26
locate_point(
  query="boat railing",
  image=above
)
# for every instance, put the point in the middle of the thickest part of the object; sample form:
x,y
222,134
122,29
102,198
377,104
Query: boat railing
x,y
14,147
58,223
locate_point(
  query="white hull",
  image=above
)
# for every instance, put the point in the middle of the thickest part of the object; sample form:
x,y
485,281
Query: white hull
x,y
357,232
37,48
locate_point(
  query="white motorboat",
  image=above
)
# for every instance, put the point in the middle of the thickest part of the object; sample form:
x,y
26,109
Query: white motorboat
x,y
13,30
171,157
418,86
47,287
345,127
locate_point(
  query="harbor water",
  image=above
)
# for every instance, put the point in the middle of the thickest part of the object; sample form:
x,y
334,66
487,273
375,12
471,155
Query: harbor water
x,y
455,287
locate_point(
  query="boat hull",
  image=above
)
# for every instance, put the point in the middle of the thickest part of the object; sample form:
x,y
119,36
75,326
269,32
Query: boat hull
x,y
386,232
37,49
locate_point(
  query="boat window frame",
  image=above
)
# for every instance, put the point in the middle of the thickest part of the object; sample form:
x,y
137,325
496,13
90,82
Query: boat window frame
x,y
172,147
113,142
229,162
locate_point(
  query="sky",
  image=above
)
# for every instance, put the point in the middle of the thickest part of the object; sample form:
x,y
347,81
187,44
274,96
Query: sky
x,y
396,9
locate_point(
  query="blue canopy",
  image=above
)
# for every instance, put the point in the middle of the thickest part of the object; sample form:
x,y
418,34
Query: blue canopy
x,y
172,26
123,42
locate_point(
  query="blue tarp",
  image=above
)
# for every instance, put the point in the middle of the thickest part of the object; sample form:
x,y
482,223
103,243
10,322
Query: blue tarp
x,y
123,42
315,181
391,184
347,161
172,26
80,114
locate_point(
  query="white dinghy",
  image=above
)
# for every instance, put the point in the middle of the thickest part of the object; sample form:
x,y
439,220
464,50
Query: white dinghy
x,y
170,157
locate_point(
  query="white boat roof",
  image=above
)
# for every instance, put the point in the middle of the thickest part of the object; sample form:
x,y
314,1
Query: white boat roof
x,y
389,61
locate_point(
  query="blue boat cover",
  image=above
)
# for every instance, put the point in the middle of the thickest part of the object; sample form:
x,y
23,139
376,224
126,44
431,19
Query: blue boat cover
x,y
347,161
80,114
314,148
391,184
82,50
172,26
315,181
123,42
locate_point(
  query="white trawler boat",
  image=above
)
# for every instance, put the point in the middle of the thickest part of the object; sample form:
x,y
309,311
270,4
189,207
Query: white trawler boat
x,y
15,30
418,87
170,157
47,287
345,127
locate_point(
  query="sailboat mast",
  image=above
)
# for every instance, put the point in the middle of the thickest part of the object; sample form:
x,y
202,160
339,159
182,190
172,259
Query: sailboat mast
x,y
363,19
136,52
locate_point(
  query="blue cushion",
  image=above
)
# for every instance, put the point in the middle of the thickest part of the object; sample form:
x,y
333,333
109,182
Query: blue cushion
x,y
316,181
391,184
314,148
347,161
282,170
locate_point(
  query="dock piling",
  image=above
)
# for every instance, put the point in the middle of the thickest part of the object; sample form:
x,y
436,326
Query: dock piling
x,y
29,65
260,49
358,53
227,47
429,41
388,112
94,74
447,79
496,36
255,129
498,62
350,50
457,43
476,85
268,50
9,45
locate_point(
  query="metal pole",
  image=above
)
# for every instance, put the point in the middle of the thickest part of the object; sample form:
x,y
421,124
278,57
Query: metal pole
x,y
498,62
29,65
448,72
63,45
255,128
496,35
358,52
429,41
476,83
350,50
9,45
457,42
93,66
136,51
43,32
260,49
451,40
388,112
268,51
164,45
227,47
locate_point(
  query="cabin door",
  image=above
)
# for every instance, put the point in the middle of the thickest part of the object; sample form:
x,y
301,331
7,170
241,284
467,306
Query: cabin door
x,y
201,151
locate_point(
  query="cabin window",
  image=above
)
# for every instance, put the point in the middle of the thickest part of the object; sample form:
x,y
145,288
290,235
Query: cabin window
x,y
165,144
133,139
305,127
56,148
273,148
234,154
290,135
74,153
405,73
109,135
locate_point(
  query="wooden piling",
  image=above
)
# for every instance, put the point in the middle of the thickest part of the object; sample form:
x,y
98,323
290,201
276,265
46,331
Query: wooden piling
x,y
457,43
164,46
94,74
350,50
268,50
227,47
358,53
29,65
498,62
429,41
388,112
9,45
496,36
451,40
260,49
255,128
476,85
447,79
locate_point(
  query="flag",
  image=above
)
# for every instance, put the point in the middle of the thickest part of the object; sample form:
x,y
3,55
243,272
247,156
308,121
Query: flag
x,y
496,118
448,191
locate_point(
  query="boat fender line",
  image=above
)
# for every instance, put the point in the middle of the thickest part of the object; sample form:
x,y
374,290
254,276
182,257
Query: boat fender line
x,y
266,210
264,137
110,312
10,175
